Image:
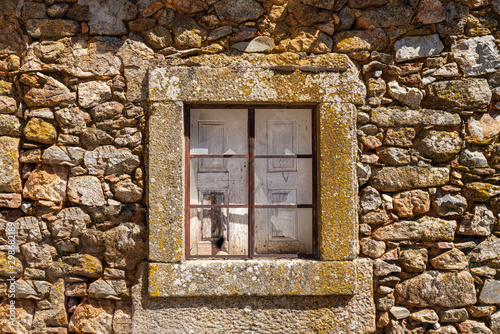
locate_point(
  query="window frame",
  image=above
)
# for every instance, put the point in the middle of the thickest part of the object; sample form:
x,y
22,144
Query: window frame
x,y
250,156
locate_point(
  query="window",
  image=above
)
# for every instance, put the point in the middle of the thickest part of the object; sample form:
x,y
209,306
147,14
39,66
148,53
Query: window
x,y
250,190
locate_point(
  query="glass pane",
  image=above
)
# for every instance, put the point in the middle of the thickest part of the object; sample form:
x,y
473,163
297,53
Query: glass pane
x,y
283,131
218,231
283,181
283,231
218,131
219,181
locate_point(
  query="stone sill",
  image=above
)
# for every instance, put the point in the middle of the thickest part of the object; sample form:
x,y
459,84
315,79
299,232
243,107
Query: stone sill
x,y
252,278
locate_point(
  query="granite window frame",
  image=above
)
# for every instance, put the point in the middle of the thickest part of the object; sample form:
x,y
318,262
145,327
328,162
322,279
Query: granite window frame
x,y
333,271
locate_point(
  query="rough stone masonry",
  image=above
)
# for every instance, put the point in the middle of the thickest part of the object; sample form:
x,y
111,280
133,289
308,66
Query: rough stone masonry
x,y
73,115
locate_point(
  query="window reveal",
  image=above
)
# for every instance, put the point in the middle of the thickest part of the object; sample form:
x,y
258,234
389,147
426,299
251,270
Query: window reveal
x,y
250,187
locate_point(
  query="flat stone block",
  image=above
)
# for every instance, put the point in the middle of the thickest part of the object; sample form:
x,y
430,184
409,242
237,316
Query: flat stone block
x,y
166,182
251,278
337,219
250,84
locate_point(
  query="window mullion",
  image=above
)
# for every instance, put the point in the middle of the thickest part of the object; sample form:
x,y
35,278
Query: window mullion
x,y
251,180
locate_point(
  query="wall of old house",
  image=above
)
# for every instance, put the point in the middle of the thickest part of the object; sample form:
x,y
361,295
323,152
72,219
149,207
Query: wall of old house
x,y
73,115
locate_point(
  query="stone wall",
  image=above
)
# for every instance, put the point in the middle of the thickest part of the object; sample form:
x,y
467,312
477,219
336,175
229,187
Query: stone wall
x,y
73,110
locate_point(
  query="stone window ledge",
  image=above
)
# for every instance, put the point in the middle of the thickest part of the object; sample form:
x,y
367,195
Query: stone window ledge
x,y
252,278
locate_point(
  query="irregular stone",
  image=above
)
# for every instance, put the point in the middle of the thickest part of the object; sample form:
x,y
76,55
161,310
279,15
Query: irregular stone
x,y
40,131
428,316
10,179
308,15
219,33
142,24
490,294
370,142
106,17
447,71
261,44
414,47
47,183
364,173
187,33
486,250
34,10
429,12
385,303
470,326
93,138
440,146
158,37
394,156
372,248
307,39
360,40
479,222
103,290
424,229
325,4
409,96
130,137
495,322
55,314
72,120
410,203
79,12
402,178
53,94
399,312
92,93
127,192
476,56
481,311
402,137
10,125
414,260
125,246
86,190
38,256
369,199
12,201
387,117
106,111
108,160
58,10
481,192
92,316
473,158
453,315
450,260
385,17
8,105
190,6
382,268
469,93
483,271
63,155
456,16
375,217
362,4
52,28
433,288
238,11
10,266
28,229
99,58
449,204
70,223
84,265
